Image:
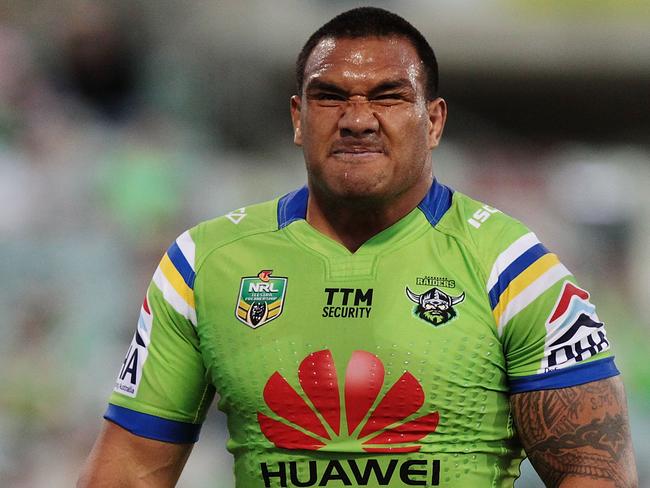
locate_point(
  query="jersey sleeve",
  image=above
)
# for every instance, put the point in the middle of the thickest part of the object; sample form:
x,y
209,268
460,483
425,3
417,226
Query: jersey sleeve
x,y
162,390
550,331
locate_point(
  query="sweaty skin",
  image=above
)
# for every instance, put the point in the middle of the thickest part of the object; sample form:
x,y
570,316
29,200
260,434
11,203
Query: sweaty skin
x,y
578,436
367,130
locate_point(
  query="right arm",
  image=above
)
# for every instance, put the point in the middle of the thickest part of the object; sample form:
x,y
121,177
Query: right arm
x,y
121,459
162,391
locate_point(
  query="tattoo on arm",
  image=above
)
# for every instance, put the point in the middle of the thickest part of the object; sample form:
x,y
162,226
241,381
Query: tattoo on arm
x,y
576,433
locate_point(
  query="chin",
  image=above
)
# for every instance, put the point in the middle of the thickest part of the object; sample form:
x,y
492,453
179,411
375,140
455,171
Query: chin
x,y
359,193
353,183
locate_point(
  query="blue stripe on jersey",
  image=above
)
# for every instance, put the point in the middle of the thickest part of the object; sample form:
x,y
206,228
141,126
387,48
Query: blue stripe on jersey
x,y
179,261
436,202
563,378
292,206
152,427
515,269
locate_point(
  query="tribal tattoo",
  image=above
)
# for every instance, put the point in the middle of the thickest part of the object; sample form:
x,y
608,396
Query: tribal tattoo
x,y
576,433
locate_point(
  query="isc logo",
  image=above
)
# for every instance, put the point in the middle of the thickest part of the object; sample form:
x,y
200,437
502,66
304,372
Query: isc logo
x,y
481,215
261,287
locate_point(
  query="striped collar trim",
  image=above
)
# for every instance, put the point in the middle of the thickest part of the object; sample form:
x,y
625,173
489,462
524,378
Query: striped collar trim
x,y
436,202
293,206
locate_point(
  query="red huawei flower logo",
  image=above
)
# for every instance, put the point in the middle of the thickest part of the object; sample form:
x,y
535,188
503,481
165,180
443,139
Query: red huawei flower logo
x,y
383,429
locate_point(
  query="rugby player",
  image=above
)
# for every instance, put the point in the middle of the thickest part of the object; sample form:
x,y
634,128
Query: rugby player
x,y
375,327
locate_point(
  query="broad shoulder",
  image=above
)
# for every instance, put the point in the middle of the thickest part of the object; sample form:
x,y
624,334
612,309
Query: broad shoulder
x,y
480,221
484,229
235,225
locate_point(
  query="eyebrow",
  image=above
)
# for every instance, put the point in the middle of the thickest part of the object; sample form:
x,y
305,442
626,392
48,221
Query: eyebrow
x,y
396,84
400,83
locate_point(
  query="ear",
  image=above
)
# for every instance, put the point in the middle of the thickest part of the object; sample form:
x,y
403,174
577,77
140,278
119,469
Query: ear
x,y
296,106
437,109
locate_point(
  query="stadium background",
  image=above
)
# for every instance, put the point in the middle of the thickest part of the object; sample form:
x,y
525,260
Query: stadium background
x,y
123,123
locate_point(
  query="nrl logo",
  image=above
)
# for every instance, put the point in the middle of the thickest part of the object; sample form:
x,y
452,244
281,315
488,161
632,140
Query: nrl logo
x,y
435,306
261,298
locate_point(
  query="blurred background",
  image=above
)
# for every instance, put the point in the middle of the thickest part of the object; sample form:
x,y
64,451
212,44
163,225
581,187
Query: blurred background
x,y
124,123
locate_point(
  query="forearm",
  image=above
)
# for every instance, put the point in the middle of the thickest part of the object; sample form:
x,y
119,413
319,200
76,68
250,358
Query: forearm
x,y
120,459
586,483
579,436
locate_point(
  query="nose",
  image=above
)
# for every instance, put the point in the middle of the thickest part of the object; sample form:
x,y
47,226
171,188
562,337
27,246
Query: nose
x,y
358,119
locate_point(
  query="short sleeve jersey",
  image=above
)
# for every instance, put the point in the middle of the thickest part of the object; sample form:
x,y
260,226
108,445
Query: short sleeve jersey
x,y
390,366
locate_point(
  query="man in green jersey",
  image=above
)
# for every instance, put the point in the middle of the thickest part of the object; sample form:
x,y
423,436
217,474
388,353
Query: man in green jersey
x,y
373,328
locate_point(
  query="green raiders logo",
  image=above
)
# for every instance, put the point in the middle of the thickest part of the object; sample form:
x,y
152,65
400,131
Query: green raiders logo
x,y
261,298
435,306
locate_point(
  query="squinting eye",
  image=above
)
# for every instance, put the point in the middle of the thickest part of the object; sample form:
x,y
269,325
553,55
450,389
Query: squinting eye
x,y
387,99
330,97
326,99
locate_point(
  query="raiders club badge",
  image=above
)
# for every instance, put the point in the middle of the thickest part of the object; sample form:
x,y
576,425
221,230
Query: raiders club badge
x,y
435,306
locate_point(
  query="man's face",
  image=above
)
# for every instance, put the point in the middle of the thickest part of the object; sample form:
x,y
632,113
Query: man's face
x,y
363,120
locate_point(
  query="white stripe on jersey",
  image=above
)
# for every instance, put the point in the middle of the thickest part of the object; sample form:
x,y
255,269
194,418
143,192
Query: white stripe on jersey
x,y
506,258
186,244
172,297
532,291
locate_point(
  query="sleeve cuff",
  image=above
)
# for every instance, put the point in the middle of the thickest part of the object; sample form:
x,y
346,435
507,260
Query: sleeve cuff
x,y
152,427
564,378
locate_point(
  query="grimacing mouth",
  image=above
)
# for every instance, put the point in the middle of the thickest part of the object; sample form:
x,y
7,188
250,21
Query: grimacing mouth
x,y
357,149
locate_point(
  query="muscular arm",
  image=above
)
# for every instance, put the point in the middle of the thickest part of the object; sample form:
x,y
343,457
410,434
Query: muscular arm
x,y
121,459
578,436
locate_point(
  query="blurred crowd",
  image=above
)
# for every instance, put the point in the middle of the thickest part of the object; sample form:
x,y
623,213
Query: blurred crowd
x,y
111,146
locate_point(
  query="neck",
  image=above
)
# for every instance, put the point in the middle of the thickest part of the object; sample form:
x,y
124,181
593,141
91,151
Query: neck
x,y
353,222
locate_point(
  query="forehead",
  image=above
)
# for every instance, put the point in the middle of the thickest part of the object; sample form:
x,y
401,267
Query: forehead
x,y
364,59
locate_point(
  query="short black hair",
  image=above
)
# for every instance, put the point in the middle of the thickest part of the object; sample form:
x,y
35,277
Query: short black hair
x,y
372,22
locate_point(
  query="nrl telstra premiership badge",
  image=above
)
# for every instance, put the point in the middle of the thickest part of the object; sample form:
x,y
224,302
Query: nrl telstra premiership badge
x,y
261,298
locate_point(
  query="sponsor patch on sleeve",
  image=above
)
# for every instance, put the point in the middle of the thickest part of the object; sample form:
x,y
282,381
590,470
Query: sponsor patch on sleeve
x,y
574,332
130,373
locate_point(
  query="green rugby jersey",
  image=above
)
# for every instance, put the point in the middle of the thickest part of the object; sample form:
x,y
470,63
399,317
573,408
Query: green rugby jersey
x,y
390,366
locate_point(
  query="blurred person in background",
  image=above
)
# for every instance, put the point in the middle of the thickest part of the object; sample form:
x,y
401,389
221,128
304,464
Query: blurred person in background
x,y
458,321
100,60
64,163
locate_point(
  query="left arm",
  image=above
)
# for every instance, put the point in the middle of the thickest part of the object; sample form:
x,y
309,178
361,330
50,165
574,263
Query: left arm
x,y
578,436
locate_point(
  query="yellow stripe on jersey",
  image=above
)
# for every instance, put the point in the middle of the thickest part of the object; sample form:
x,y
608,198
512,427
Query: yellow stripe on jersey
x,y
175,279
523,281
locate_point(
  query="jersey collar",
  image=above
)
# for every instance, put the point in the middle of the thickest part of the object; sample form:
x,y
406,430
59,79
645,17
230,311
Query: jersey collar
x,y
293,206
436,202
